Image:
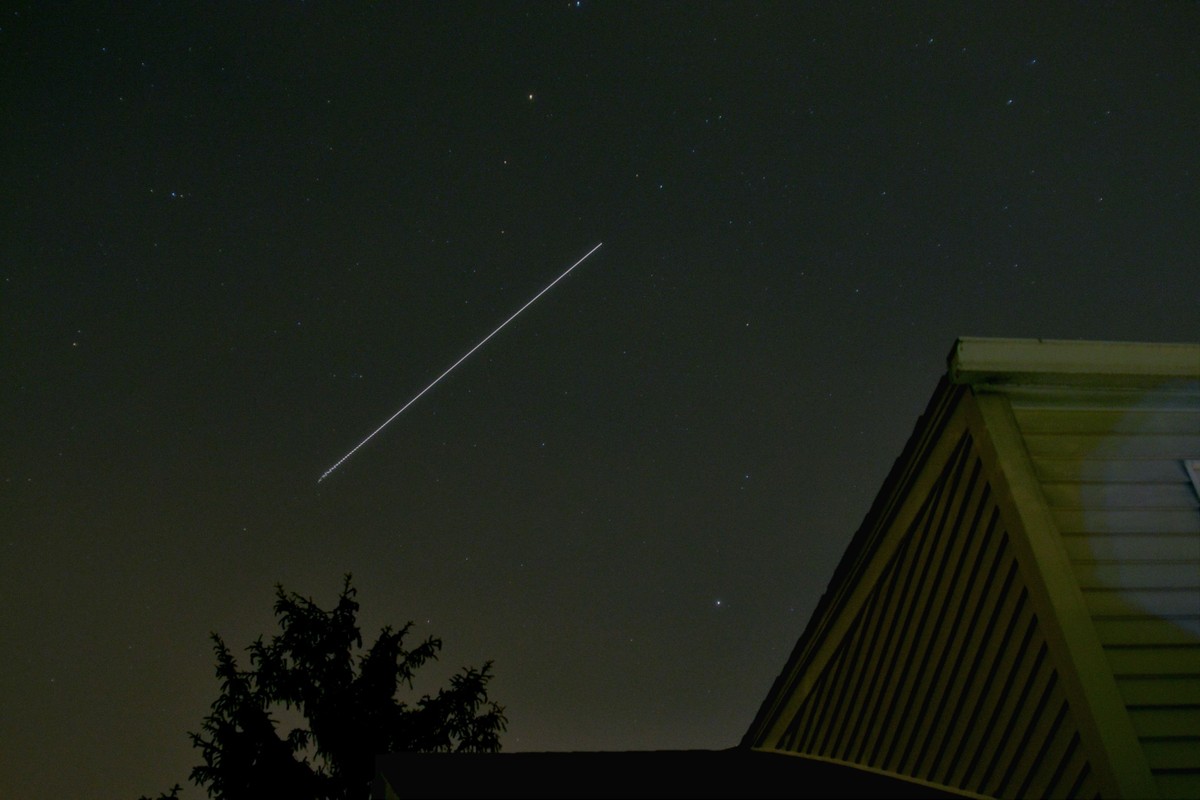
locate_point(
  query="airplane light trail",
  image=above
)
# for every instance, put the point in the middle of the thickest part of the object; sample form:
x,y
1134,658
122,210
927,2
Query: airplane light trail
x,y
482,342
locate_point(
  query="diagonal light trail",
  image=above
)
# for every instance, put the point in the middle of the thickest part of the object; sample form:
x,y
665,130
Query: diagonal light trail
x,y
482,342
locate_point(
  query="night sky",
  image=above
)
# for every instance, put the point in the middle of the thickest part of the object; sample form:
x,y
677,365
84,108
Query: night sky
x,y
238,237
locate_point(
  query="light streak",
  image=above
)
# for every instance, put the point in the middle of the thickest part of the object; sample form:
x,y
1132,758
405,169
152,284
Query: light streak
x,y
467,355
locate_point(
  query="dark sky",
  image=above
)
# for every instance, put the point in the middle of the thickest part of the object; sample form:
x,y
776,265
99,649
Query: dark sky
x,y
238,237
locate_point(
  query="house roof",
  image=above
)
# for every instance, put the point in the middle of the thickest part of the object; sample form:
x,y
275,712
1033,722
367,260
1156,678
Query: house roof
x,y
728,773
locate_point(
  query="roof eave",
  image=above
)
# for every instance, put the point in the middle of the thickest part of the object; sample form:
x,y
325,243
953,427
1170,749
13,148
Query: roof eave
x,y
994,363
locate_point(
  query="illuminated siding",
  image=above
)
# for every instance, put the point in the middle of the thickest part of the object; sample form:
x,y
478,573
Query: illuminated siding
x,y
1111,467
1019,615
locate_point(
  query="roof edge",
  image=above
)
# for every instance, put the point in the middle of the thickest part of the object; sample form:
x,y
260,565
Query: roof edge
x,y
982,362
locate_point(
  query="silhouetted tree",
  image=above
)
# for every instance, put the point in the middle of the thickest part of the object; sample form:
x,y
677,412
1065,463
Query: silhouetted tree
x,y
351,708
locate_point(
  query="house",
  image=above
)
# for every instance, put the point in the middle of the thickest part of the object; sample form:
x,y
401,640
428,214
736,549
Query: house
x,y
1019,614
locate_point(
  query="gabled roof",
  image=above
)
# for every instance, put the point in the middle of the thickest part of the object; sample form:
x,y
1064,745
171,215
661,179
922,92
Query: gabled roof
x,y
1019,614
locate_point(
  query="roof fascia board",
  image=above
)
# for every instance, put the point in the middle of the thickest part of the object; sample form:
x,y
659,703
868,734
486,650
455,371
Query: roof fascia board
x,y
999,362
1090,687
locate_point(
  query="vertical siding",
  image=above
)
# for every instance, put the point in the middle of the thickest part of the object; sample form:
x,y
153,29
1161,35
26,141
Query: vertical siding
x,y
944,674
1111,466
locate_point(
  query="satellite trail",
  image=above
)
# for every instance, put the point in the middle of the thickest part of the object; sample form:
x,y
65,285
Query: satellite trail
x,y
482,342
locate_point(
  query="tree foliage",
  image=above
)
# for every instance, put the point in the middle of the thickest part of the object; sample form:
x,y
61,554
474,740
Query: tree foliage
x,y
349,702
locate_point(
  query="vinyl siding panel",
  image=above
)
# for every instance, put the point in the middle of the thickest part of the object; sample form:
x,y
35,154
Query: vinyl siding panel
x,y
1154,470
1150,721
1143,573
1144,630
1157,547
1114,495
1132,419
1106,604
1182,783
1097,520
1153,660
1102,445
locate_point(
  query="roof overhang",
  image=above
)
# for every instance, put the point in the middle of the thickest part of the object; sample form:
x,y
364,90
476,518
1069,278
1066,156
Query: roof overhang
x,y
998,362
